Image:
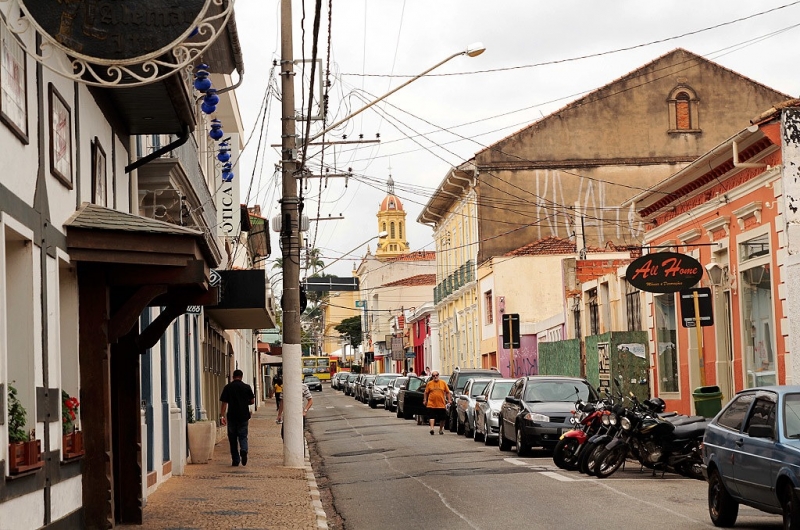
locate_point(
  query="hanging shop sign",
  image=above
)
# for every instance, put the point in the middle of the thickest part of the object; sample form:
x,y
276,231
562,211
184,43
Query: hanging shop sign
x,y
125,32
664,272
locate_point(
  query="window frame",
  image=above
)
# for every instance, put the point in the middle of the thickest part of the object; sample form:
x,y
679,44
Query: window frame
x,y
57,168
17,128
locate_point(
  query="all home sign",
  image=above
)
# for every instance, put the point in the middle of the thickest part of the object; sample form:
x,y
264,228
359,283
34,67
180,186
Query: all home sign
x,y
664,272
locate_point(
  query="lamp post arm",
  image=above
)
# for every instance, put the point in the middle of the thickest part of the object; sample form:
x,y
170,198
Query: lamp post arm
x,y
365,107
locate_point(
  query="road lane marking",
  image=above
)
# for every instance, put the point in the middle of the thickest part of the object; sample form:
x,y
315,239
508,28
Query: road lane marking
x,y
556,476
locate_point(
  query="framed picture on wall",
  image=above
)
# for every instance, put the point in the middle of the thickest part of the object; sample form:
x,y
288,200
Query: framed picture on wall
x,y
13,85
60,138
99,179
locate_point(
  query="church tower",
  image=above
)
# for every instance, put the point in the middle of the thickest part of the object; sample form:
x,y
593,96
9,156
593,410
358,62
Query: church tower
x,y
392,220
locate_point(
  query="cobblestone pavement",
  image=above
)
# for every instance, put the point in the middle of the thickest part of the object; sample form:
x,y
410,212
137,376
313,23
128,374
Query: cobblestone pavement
x,y
262,495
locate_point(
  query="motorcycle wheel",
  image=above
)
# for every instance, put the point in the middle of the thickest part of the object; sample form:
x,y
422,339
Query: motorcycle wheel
x,y
583,458
566,453
722,509
592,459
610,461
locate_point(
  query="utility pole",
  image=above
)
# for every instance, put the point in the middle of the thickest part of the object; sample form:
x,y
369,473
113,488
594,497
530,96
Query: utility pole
x,y
293,447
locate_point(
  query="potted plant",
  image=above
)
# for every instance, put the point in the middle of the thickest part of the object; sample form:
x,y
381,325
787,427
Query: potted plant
x,y
72,438
24,453
201,436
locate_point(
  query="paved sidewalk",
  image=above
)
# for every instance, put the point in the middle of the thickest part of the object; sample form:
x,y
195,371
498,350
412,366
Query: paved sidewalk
x,y
262,495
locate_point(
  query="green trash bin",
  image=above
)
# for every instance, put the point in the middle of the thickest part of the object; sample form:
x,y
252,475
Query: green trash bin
x,y
707,400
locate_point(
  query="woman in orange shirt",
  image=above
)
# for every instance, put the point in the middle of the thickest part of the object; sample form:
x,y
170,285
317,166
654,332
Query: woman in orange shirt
x,y
437,395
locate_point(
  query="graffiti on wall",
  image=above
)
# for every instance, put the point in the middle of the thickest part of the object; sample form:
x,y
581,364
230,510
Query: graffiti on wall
x,y
526,358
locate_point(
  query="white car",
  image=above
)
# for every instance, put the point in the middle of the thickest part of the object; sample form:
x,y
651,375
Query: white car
x,y
390,400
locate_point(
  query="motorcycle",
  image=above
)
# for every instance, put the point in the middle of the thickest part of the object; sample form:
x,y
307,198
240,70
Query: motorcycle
x,y
587,420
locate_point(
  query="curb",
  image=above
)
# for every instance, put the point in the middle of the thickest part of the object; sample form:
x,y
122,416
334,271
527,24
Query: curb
x,y
322,518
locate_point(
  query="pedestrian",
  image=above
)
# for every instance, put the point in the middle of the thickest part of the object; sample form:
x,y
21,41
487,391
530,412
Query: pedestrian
x,y
307,402
278,391
427,371
436,398
236,398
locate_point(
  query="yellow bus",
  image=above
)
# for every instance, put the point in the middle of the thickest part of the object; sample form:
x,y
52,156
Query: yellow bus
x,y
320,366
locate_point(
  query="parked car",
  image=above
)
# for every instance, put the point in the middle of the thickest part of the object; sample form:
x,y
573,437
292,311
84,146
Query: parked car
x,y
390,403
313,383
537,411
751,455
365,388
465,406
409,399
457,381
337,380
350,384
487,410
357,386
379,386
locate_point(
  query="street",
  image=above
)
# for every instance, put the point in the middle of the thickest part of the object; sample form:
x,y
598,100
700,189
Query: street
x,y
379,471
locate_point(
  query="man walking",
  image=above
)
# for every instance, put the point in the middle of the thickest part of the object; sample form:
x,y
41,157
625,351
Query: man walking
x,y
437,395
236,398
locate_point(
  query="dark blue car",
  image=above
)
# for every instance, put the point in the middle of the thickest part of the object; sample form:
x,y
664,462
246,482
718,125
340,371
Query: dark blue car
x,y
751,455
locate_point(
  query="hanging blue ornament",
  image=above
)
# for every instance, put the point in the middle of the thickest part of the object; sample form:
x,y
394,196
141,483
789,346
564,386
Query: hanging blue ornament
x,y
211,97
224,155
194,32
216,131
208,109
201,80
227,174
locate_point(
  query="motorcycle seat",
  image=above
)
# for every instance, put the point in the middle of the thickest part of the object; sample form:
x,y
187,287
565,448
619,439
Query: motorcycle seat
x,y
683,420
690,430
667,415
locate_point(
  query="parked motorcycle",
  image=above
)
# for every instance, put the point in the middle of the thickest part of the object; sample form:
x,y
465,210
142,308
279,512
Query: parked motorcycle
x,y
588,421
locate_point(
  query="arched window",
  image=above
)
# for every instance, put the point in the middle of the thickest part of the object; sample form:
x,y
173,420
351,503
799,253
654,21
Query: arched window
x,y
391,234
400,230
384,227
683,110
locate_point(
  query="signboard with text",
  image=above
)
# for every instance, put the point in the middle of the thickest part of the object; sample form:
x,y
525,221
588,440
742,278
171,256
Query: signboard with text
x,y
688,316
664,272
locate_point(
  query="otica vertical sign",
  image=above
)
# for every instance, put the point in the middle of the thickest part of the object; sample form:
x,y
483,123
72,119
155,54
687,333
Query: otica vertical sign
x,y
114,30
229,214
664,272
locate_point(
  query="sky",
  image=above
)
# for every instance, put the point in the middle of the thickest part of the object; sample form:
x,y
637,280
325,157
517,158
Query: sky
x,y
539,57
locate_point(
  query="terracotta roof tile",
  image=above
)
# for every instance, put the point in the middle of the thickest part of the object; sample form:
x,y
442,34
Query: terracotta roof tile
x,y
419,255
412,281
546,246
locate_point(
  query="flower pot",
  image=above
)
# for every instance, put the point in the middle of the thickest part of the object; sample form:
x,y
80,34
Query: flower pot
x,y
24,456
202,438
72,445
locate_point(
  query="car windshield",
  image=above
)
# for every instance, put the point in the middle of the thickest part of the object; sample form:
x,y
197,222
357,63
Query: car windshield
x,y
477,388
351,378
556,391
384,379
791,411
400,381
501,390
311,380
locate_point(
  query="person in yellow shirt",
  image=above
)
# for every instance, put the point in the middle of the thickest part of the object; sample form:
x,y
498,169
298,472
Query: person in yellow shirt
x,y
278,385
436,398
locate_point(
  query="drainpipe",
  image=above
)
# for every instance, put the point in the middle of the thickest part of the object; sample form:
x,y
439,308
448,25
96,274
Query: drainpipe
x,y
736,163
156,154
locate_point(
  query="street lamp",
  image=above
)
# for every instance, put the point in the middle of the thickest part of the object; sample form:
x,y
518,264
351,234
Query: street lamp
x,y
473,50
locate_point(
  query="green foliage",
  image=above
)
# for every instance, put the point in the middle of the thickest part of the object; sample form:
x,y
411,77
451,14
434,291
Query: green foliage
x,y
17,416
189,413
351,329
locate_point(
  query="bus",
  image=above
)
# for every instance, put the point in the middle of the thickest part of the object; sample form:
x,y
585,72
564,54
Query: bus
x,y
321,366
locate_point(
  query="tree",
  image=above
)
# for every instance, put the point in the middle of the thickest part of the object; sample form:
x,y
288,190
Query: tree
x,y
350,328
313,260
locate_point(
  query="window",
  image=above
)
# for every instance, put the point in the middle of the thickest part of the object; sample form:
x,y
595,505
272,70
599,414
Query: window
x,y
683,110
763,413
594,313
384,227
60,138
791,415
733,417
99,179
400,230
489,306
757,311
13,85
391,233
666,337
633,307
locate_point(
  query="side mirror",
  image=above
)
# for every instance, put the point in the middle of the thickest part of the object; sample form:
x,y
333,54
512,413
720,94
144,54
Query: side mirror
x,y
761,431
511,399
480,399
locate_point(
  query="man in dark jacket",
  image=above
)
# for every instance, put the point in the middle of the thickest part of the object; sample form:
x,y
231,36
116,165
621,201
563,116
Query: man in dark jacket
x,y
236,398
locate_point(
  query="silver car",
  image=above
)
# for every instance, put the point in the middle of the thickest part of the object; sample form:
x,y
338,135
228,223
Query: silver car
x,y
487,410
465,406
350,384
390,401
378,391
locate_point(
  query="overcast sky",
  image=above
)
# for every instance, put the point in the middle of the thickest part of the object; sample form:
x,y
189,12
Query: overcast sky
x,y
441,120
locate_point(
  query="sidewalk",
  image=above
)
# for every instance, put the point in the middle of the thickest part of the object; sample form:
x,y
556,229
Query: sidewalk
x,y
263,494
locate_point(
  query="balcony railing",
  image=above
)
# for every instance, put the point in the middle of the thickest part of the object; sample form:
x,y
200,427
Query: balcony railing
x,y
462,276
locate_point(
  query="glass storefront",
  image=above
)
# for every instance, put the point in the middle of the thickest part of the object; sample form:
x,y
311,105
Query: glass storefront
x,y
666,336
758,322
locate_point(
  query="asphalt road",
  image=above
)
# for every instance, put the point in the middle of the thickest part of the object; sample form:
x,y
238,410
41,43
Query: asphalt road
x,y
381,472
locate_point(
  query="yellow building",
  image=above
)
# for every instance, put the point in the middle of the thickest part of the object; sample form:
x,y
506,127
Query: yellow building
x,y
337,307
392,220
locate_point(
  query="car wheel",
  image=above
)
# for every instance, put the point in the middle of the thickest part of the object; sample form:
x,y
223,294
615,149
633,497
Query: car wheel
x,y
468,430
502,443
565,454
523,449
477,435
452,423
722,509
791,507
459,427
372,404
406,415
399,412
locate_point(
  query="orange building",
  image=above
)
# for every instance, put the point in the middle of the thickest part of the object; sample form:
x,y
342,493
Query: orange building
x,y
732,210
